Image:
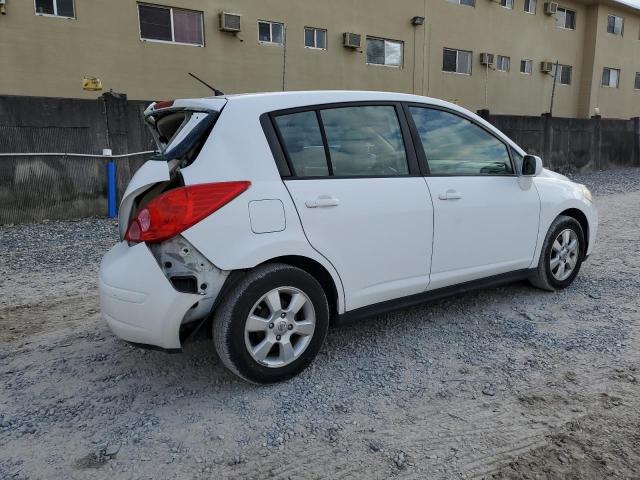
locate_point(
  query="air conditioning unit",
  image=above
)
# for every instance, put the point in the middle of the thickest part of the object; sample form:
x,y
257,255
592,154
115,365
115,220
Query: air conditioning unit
x,y
351,40
550,8
229,22
546,67
487,58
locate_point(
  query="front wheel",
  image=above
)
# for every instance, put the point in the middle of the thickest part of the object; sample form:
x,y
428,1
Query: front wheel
x,y
561,256
272,324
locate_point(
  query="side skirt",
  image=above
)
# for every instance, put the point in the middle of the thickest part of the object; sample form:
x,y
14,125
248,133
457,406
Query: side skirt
x,y
430,296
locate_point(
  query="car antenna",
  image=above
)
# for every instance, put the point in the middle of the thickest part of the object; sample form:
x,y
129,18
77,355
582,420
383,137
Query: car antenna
x,y
215,91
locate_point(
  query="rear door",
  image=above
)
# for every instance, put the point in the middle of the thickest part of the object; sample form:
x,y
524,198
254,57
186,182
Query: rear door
x,y
485,217
361,199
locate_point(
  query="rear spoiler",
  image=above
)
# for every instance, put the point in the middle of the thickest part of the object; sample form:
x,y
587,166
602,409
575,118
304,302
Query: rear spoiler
x,y
213,104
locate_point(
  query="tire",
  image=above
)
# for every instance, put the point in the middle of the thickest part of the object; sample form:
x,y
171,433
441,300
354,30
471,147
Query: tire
x,y
548,277
241,341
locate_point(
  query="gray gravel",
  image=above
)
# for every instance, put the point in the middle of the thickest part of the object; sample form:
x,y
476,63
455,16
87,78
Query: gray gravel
x,y
454,389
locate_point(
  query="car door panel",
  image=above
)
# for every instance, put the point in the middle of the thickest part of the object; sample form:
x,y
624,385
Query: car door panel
x,y
490,229
377,236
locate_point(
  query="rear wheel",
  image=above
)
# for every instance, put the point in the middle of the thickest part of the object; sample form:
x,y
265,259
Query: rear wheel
x,y
561,256
272,324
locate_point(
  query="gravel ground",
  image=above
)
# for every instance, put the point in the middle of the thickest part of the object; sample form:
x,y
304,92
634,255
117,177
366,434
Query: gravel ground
x,y
510,382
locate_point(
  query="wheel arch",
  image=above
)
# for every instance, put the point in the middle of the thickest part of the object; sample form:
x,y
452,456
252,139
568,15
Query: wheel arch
x,y
580,216
320,273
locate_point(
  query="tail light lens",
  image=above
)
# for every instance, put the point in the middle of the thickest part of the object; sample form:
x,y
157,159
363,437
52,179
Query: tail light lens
x,y
174,211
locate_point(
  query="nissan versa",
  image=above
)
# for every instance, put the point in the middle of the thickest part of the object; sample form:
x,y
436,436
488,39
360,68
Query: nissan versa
x,y
265,216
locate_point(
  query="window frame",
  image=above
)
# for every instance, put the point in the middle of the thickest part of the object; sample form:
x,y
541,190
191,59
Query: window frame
x,y
173,32
621,34
458,50
459,2
271,24
283,161
315,38
618,72
531,2
575,18
422,157
502,57
55,11
559,79
636,81
505,4
385,40
528,62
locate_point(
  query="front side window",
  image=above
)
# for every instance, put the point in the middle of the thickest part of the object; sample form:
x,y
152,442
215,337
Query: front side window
x,y
610,77
271,32
456,61
315,38
637,81
526,67
57,8
456,146
174,25
566,18
615,25
384,52
530,6
563,74
300,133
503,63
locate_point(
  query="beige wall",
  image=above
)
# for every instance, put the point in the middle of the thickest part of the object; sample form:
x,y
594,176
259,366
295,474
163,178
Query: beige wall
x,y
50,56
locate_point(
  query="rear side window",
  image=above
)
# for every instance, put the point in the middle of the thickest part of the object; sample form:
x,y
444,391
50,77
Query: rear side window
x,y
365,141
303,142
361,142
456,146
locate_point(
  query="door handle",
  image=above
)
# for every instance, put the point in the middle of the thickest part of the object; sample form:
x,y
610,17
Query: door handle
x,y
450,195
322,201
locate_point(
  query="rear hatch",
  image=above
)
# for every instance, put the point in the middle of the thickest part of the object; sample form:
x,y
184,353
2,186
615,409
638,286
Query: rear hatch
x,y
180,128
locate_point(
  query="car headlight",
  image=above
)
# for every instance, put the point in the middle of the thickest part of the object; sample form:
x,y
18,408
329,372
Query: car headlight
x,y
586,193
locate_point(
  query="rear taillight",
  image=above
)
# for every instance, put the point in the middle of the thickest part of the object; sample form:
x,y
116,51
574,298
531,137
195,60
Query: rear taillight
x,y
174,211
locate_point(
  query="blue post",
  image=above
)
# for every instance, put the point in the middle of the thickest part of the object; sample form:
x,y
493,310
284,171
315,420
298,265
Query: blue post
x,y
111,189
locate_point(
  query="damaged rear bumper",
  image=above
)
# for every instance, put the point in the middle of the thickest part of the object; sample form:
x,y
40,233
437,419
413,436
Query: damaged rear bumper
x,y
137,300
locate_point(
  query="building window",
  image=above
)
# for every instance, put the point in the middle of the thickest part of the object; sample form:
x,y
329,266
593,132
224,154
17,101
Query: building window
x,y
174,25
566,18
55,8
506,3
315,38
526,67
470,3
530,6
563,74
637,82
384,52
456,61
271,32
615,25
503,63
610,77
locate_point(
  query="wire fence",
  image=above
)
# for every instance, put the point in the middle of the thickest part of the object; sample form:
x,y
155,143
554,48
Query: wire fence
x,y
39,186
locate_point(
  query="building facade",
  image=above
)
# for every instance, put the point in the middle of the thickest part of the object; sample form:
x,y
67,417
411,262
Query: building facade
x,y
427,47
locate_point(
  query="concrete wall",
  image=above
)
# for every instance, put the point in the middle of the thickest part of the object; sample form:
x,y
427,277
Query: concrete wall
x,y
48,56
40,187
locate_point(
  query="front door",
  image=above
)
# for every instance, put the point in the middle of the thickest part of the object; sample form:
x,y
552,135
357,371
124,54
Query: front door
x,y
360,201
485,216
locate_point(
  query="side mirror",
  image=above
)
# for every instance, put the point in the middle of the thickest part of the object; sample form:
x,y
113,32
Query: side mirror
x,y
531,165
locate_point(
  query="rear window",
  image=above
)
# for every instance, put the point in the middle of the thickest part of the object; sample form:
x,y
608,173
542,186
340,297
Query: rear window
x,y
180,135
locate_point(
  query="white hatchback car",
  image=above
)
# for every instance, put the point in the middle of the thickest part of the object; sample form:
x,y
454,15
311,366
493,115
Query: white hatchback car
x,y
266,216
